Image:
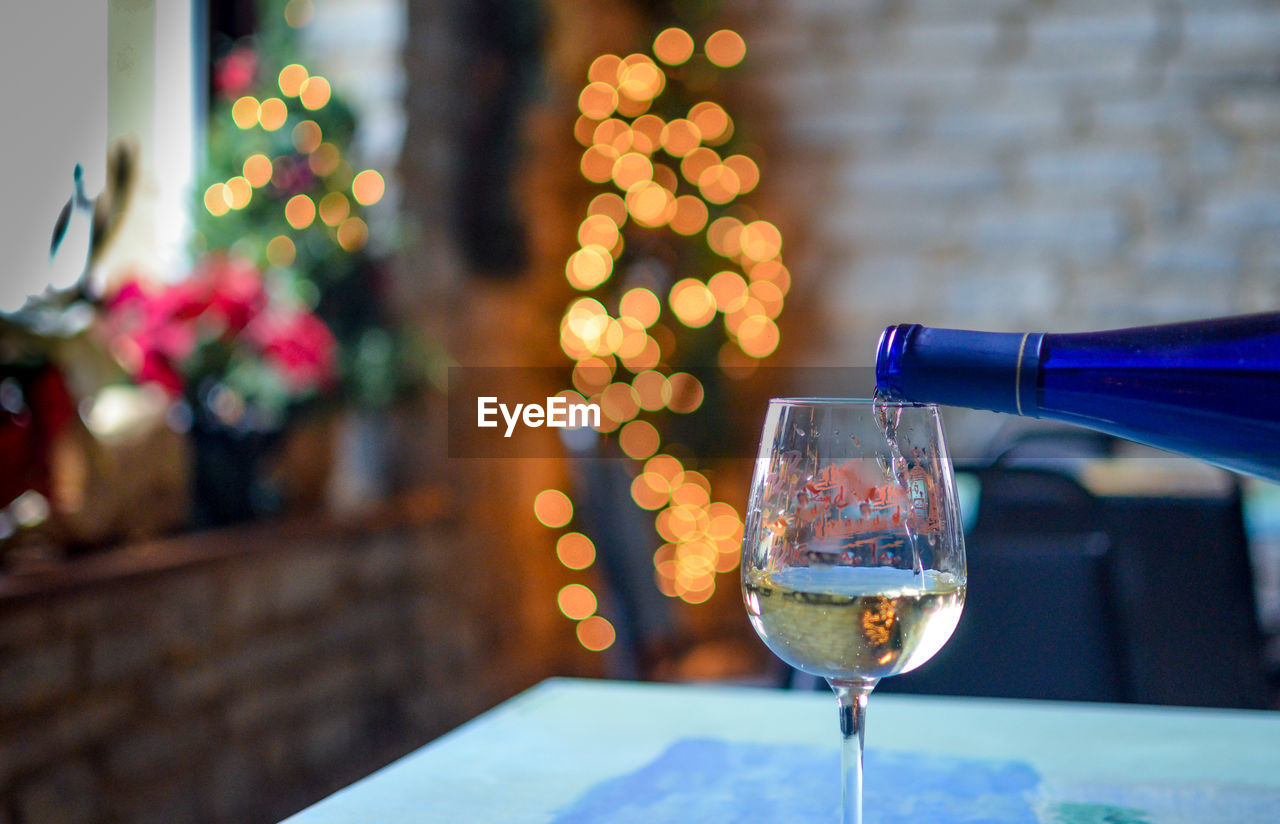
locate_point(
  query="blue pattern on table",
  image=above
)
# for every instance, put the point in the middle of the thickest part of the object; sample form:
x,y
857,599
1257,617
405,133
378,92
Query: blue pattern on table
x,y
712,780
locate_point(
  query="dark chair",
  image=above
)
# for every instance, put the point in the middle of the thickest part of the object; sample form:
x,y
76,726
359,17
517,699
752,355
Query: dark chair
x,y
1180,580
1033,501
1039,622
1186,596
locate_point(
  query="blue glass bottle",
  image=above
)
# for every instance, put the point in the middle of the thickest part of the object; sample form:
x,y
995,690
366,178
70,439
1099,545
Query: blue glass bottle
x,y
1209,389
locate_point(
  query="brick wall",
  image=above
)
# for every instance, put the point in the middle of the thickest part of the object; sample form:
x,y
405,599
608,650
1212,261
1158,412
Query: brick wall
x,y
1009,164
238,676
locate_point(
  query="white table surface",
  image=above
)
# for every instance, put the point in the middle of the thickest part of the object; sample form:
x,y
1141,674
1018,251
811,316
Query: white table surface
x,y
577,750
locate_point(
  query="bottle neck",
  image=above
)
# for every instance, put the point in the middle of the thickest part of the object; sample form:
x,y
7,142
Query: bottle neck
x,y
980,370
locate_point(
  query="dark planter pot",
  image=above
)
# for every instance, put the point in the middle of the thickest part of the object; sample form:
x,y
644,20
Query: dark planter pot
x,y
229,483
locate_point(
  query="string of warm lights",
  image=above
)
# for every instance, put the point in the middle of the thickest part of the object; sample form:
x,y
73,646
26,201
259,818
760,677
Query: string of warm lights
x,y
322,159
662,173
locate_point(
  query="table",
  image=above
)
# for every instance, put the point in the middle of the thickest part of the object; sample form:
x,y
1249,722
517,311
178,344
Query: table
x,y
573,751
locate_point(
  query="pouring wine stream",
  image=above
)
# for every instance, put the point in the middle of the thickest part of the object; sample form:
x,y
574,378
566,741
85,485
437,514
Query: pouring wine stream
x,y
895,469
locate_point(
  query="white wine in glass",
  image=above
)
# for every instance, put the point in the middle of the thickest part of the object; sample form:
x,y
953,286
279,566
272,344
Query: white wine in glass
x,y
853,565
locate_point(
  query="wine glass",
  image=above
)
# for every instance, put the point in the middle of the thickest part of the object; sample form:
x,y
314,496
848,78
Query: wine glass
x,y
853,564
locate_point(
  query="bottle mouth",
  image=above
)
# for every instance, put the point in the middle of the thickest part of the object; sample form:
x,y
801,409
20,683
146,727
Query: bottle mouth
x,y
957,367
893,342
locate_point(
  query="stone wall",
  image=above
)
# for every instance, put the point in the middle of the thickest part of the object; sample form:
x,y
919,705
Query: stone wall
x,y
239,676
1007,164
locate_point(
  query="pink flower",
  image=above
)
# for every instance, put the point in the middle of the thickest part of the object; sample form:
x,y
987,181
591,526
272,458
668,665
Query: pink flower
x,y
234,290
300,345
154,329
233,74
159,370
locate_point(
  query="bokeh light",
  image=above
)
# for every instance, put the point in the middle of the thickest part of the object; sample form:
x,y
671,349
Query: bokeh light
x,y
552,508
281,251
695,491
729,291
669,467
618,402
758,336
239,192
641,140
630,169
639,439
712,121
640,78
768,296
584,129
589,267
725,48
649,356
582,334
575,550
613,132
315,92
649,204
760,240
746,169
576,601
596,633
300,211
698,161
244,112
695,588
583,315
334,208
649,491
722,236
679,137
257,170
597,163
673,46
291,79
690,217
272,113
634,339
718,184
692,302
298,13
598,230
605,69
591,375
686,393
641,304
307,136
653,390
368,187
324,160
353,234
646,132
609,205
772,271
216,199
598,100
631,107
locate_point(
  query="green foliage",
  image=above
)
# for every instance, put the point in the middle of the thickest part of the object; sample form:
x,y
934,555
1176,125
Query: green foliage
x,y
314,252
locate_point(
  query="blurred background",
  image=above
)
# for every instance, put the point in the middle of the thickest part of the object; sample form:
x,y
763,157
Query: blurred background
x,y
256,248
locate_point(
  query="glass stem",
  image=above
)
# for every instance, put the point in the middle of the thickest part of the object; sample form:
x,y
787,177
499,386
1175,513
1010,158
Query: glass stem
x,y
851,696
